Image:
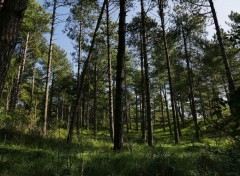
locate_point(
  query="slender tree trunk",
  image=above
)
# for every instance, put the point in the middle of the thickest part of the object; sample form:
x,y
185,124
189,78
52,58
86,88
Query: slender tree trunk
x,y
83,75
231,85
147,84
167,110
162,111
50,106
11,15
161,13
177,118
79,70
202,107
33,88
136,111
143,124
95,101
182,111
190,83
50,52
118,115
17,87
110,86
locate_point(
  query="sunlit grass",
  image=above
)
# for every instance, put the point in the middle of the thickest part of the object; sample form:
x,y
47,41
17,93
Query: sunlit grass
x,y
30,154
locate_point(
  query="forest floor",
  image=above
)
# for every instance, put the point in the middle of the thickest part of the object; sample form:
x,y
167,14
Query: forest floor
x,y
25,154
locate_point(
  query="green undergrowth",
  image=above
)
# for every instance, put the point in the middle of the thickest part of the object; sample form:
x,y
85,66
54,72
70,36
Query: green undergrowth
x,y
24,154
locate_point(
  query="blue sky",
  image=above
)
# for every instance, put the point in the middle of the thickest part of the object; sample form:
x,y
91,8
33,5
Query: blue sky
x,y
223,9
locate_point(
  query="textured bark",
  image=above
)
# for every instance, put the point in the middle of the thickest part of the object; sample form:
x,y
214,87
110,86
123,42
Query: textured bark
x,y
161,13
50,52
118,115
83,76
147,84
110,84
11,15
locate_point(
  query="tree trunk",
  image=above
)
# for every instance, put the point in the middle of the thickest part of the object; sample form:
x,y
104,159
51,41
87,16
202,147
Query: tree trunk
x,y
190,83
110,86
167,110
33,88
143,124
231,85
147,84
136,111
17,87
118,115
11,15
95,101
83,76
50,52
162,111
161,13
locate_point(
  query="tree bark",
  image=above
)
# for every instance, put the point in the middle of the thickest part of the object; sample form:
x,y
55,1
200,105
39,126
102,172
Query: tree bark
x,y
167,110
110,86
11,15
190,83
162,111
147,84
95,101
118,115
83,76
50,52
161,13
18,84
228,73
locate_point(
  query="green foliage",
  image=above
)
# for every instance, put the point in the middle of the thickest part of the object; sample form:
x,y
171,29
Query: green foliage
x,y
24,154
14,121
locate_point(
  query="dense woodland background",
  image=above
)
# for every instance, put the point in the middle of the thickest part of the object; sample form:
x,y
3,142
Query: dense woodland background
x,y
153,96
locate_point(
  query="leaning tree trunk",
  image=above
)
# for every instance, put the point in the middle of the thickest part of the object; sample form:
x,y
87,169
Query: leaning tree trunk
x,y
147,84
231,85
50,51
11,15
118,114
161,13
83,76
